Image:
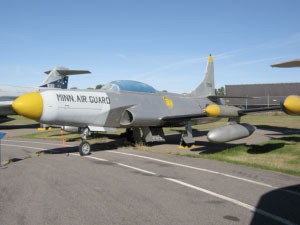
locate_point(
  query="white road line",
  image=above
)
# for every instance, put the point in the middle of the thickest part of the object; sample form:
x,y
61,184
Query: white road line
x,y
91,157
35,142
234,201
208,171
195,168
20,146
135,168
120,164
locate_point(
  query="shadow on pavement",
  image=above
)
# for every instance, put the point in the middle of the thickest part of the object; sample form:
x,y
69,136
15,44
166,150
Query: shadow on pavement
x,y
109,145
282,206
19,126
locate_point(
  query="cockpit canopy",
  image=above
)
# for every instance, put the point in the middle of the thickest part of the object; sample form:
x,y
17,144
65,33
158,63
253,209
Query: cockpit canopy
x,y
128,85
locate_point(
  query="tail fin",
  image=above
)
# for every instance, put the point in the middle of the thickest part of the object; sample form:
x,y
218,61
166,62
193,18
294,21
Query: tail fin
x,y
207,87
58,77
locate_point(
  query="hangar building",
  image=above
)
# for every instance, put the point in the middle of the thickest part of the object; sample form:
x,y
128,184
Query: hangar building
x,y
267,94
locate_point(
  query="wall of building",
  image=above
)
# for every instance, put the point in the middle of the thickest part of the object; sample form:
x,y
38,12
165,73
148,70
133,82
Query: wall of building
x,y
265,94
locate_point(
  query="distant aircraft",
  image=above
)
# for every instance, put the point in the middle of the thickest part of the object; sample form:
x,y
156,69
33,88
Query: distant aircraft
x,y
137,107
291,104
57,78
287,64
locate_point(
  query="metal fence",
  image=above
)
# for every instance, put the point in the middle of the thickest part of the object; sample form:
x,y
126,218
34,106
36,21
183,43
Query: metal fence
x,y
260,95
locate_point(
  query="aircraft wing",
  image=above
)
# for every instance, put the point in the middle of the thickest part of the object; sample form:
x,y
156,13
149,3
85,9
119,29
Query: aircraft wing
x,y
239,112
291,63
226,111
262,109
183,117
5,104
5,109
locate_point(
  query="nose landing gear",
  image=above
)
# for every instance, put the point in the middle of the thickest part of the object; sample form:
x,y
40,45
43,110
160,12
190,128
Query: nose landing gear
x,y
85,147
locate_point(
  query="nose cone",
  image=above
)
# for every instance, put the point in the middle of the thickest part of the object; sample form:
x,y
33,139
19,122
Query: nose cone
x,y
29,105
291,105
213,110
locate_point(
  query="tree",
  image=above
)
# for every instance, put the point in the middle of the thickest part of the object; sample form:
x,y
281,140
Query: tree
x,y
220,91
99,86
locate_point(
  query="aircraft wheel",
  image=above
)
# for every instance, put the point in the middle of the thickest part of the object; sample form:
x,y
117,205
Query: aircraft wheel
x,y
84,148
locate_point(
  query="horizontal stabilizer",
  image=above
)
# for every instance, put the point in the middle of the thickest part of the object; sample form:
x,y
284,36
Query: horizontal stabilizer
x,y
66,72
58,77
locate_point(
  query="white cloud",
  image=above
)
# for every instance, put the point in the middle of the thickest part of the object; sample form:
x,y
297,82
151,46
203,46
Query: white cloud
x,y
122,56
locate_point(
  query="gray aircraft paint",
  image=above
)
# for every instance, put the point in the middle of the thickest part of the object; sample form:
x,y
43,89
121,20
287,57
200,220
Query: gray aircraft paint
x,y
98,108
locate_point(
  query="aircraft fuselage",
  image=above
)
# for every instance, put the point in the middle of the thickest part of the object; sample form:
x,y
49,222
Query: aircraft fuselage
x,y
122,109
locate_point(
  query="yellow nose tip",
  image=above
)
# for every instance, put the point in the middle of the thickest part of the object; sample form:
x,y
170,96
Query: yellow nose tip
x,y
213,110
292,105
29,105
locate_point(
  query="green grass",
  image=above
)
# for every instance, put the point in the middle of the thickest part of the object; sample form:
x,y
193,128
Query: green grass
x,y
55,134
280,154
52,135
274,119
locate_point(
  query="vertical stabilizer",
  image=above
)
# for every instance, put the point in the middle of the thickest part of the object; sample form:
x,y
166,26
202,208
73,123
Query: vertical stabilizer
x,y
207,87
58,77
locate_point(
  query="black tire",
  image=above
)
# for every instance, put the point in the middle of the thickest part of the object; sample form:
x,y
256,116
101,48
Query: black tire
x,y
84,148
129,135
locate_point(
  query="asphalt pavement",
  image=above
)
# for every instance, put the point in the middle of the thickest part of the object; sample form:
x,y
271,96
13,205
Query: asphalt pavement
x,y
48,183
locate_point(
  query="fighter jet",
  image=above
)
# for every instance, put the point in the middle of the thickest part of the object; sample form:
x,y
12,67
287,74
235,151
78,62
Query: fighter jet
x,y
140,108
291,104
57,78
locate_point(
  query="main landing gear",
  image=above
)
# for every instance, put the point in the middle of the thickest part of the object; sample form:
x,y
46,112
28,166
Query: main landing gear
x,y
85,147
187,140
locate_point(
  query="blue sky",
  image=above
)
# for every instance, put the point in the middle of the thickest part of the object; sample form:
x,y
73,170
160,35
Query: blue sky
x,y
164,43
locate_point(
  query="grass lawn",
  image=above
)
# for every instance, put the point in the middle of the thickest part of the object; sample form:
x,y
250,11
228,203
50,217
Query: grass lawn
x,y
281,154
